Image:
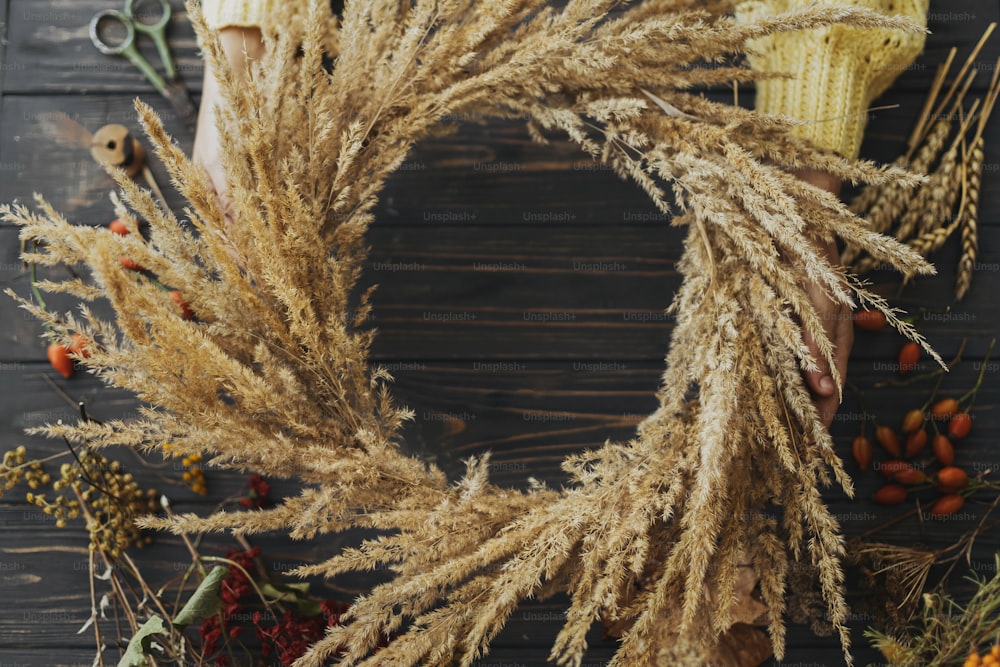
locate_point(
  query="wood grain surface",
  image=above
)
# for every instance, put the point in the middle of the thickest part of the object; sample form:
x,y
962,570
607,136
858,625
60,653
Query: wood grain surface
x,y
520,309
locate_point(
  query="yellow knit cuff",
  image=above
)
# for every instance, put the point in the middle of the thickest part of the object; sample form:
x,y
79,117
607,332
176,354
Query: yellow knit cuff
x,y
223,13
837,71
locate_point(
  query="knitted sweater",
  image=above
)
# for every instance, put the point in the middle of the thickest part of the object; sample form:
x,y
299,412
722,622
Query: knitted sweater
x,y
223,13
836,71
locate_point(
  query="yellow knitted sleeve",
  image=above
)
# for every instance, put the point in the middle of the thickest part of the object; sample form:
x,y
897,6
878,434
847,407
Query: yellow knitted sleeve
x,y
222,13
836,71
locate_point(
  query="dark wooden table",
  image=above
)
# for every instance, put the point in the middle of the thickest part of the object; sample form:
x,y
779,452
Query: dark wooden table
x,y
520,308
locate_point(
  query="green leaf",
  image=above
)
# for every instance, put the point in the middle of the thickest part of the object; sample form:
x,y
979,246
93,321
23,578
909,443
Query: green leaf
x,y
284,592
309,608
138,646
205,600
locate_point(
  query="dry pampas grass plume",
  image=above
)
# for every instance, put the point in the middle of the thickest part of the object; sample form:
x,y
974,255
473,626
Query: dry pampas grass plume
x,y
273,376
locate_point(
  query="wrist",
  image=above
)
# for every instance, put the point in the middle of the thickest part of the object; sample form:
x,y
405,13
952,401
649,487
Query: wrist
x,y
820,179
241,44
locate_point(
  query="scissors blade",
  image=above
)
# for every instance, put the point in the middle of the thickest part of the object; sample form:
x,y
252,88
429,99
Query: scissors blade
x,y
178,97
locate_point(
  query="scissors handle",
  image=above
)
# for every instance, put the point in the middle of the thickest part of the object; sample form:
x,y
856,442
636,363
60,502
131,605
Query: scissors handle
x,y
157,30
126,47
115,16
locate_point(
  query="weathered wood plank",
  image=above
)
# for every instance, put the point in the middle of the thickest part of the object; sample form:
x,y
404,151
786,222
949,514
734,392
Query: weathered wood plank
x,y
3,45
50,51
45,149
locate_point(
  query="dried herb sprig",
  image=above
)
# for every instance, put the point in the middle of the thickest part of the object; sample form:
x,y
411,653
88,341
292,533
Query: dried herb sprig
x,y
948,630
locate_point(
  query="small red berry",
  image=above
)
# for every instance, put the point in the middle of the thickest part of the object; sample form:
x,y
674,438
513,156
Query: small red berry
x,y
952,479
130,264
887,438
182,304
943,450
891,494
119,227
909,355
944,408
915,443
959,425
947,504
913,420
870,320
861,449
60,359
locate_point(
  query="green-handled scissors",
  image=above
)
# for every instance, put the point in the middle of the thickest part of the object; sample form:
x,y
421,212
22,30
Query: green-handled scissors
x,y
170,88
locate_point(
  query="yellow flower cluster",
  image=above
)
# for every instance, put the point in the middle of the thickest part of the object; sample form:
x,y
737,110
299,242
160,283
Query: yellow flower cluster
x,y
103,492
12,468
990,658
194,475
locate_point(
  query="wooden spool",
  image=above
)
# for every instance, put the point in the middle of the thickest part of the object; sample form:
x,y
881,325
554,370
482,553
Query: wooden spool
x,y
113,145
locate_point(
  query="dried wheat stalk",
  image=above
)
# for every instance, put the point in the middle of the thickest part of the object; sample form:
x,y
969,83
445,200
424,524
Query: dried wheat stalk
x,y
970,220
886,206
882,206
306,154
973,169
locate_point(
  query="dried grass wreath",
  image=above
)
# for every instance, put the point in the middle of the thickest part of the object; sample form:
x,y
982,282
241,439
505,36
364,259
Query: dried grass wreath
x,y
273,375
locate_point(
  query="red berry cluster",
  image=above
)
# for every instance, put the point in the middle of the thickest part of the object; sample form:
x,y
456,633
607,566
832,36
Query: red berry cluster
x,y
289,639
62,356
258,495
284,640
235,590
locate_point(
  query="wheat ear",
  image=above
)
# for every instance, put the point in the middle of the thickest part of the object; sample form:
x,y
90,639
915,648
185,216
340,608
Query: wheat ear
x,y
970,220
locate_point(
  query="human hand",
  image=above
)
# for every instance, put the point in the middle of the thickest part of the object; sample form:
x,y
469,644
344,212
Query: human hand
x,y
836,319
240,45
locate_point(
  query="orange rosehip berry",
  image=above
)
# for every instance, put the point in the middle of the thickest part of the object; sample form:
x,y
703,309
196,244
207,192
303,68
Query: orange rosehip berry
x,y
947,504
861,449
910,476
890,468
909,355
185,307
959,425
119,227
915,443
913,420
887,438
943,450
80,346
870,320
891,494
60,359
944,408
952,478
